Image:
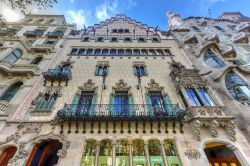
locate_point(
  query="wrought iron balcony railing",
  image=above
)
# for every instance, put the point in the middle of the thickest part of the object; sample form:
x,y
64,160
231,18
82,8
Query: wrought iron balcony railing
x,y
34,33
130,112
7,31
57,75
55,34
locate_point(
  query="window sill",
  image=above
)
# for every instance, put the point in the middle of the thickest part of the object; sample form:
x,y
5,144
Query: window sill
x,y
36,112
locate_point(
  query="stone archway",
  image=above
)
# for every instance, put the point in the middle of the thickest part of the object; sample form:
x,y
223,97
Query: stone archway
x,y
6,155
220,154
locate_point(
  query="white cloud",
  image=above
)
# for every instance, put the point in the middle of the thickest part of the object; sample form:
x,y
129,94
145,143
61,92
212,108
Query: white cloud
x,y
9,14
78,17
107,9
72,1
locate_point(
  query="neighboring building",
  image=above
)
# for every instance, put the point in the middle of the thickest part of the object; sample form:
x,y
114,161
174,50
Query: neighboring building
x,y
234,16
221,48
117,93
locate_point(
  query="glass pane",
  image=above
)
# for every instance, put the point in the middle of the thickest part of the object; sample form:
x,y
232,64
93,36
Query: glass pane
x,y
11,91
213,60
18,53
155,152
205,97
84,104
11,58
193,97
157,103
88,157
81,52
171,153
121,103
105,154
122,153
138,152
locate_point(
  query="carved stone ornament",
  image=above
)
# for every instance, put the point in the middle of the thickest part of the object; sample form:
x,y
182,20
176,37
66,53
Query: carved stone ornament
x,y
20,154
88,86
61,138
153,86
121,86
186,78
22,129
193,154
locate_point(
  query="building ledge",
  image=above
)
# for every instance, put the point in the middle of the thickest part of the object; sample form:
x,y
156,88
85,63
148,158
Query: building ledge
x,y
240,38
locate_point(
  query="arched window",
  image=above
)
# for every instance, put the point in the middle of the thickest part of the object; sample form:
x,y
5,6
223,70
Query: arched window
x,y
88,157
237,88
155,152
13,56
37,60
212,60
45,153
11,91
105,153
138,152
171,153
7,154
122,152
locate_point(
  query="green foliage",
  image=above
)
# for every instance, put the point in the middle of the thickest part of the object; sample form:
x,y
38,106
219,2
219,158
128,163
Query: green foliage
x,y
23,5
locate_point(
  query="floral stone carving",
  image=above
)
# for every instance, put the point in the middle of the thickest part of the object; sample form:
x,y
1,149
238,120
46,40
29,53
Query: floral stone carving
x,y
193,154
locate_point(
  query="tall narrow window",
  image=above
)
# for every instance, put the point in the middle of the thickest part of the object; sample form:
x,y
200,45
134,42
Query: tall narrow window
x,y
13,56
11,91
81,52
47,101
84,104
122,152
155,152
207,100
138,152
171,153
105,153
193,97
157,103
212,60
102,70
121,103
140,70
88,157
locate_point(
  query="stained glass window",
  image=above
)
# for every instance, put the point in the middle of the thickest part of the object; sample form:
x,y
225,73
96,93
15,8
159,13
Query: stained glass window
x,y
237,88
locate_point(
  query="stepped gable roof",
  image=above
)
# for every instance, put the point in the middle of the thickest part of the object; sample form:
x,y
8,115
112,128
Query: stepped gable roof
x,y
121,21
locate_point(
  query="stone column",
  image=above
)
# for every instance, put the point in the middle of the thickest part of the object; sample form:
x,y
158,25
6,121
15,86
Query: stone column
x,y
97,152
130,153
113,154
163,153
147,153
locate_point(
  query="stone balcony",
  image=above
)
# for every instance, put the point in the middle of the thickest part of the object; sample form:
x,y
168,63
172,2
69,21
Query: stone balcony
x,y
212,37
57,75
3,107
180,29
240,38
19,69
211,117
228,51
243,28
190,38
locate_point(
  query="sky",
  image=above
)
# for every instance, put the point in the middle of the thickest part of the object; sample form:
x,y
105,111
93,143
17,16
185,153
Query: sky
x,y
151,12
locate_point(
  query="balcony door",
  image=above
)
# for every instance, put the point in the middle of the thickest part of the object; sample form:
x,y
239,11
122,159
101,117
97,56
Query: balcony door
x,y
84,104
157,102
121,103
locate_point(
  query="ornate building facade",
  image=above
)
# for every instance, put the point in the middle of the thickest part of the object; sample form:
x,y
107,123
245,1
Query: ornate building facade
x,y
117,93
